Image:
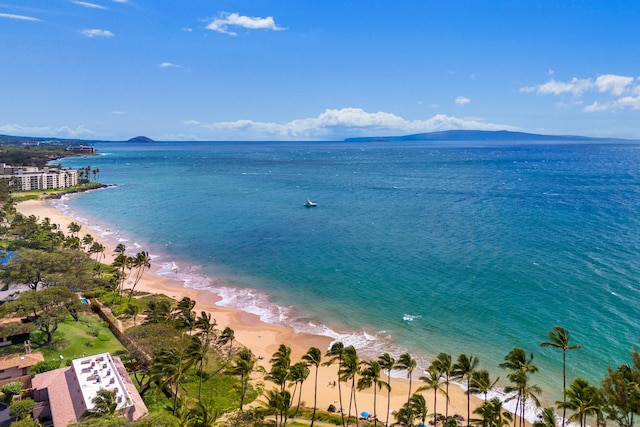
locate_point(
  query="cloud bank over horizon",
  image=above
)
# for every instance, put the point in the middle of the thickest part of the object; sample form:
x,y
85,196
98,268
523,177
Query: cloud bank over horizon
x,y
335,124
331,125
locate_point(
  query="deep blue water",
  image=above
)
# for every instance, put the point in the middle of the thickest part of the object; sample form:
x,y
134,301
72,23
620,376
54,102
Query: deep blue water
x,y
473,248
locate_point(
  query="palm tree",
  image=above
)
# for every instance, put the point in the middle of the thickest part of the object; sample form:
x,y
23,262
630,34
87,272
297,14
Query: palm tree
x,y
404,416
198,351
280,364
524,392
87,241
121,262
370,377
388,363
279,402
226,337
432,382
298,373
74,228
481,383
243,365
169,367
492,414
464,369
444,365
206,327
521,366
546,418
184,313
348,372
141,261
133,310
559,338
418,406
584,399
336,353
206,413
314,358
409,364
98,249
104,404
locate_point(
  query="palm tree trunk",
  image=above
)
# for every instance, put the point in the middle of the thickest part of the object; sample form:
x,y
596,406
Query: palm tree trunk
x,y
375,415
315,397
435,405
386,423
295,415
515,418
446,407
175,397
564,386
468,400
355,403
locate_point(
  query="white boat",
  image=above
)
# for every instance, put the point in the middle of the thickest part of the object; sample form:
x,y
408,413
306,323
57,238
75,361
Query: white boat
x,y
310,204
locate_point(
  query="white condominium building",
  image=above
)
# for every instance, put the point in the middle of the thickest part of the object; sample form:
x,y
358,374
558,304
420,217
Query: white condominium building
x,y
27,178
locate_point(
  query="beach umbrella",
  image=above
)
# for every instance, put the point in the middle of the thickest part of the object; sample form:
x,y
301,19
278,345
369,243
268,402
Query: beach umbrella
x,y
364,414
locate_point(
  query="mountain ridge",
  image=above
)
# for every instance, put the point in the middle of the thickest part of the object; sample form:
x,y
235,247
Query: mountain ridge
x,y
478,135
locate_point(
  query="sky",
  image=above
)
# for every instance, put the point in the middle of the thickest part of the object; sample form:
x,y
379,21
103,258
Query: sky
x,y
317,70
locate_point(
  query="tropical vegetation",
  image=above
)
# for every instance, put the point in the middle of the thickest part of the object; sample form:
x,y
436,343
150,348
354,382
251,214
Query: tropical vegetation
x,y
191,371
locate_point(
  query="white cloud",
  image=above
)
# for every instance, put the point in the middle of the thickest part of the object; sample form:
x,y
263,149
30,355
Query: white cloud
x,y
462,100
628,102
609,89
169,65
44,131
89,5
338,124
97,33
118,113
575,86
596,106
225,21
121,1
19,17
613,84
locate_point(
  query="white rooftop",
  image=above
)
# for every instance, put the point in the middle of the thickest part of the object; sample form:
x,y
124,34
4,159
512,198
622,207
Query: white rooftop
x,y
98,372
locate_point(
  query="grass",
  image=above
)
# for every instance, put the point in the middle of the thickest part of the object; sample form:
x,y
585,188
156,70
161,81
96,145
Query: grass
x,y
21,196
88,336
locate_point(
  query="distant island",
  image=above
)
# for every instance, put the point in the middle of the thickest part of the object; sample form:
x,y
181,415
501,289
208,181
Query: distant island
x,y
140,139
478,135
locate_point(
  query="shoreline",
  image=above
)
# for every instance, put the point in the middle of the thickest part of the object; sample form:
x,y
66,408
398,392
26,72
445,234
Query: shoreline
x,y
262,338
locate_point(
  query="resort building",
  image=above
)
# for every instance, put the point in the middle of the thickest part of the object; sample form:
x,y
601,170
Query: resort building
x,y
27,178
64,395
82,149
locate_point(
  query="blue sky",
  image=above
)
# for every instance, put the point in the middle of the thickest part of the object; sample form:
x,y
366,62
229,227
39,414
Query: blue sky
x,y
317,70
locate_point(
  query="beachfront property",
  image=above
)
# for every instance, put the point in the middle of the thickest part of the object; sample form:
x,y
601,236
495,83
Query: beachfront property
x,y
64,395
27,178
82,149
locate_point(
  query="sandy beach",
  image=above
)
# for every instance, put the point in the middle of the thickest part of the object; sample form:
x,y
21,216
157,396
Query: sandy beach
x,y
262,338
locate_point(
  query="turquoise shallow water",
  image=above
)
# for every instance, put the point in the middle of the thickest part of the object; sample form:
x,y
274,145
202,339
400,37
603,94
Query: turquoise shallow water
x,y
473,248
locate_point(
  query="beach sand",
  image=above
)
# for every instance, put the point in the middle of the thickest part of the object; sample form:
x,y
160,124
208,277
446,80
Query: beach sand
x,y
263,339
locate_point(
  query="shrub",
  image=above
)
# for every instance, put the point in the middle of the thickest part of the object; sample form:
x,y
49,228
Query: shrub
x,y
21,409
45,366
11,389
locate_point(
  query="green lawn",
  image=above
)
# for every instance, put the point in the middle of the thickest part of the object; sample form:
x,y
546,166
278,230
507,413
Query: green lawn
x,y
84,338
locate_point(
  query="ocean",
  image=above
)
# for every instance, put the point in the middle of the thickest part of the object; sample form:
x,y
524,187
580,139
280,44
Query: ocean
x,y
465,247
